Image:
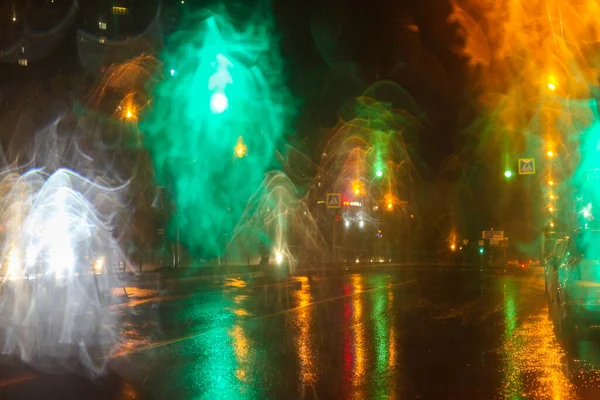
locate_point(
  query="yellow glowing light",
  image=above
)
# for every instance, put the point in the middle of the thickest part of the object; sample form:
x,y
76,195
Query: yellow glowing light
x,y
550,153
550,182
14,19
453,247
241,149
551,197
390,206
551,224
129,114
551,86
357,191
551,209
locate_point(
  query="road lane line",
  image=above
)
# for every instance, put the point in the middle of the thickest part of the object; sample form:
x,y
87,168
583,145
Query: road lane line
x,y
330,299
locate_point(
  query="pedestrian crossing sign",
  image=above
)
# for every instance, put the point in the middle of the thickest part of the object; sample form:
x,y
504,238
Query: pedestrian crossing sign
x,y
526,166
334,200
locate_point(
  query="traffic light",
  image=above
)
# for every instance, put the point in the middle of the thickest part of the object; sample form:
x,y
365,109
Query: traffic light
x,y
218,102
481,250
508,173
379,173
217,83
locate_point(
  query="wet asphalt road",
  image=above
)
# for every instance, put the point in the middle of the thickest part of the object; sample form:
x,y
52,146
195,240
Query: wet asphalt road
x,y
417,332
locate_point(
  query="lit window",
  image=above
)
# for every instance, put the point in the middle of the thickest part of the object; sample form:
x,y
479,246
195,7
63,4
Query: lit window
x,y
22,50
102,25
120,10
23,62
102,39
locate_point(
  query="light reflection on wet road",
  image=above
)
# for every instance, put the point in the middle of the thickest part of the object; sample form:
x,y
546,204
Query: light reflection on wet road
x,y
399,333
430,333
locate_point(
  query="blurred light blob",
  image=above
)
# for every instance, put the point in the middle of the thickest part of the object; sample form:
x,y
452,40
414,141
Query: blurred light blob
x,y
278,257
99,265
230,82
218,103
62,316
14,264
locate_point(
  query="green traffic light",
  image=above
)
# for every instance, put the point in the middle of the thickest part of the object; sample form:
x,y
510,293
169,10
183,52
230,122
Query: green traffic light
x,y
507,174
481,250
379,173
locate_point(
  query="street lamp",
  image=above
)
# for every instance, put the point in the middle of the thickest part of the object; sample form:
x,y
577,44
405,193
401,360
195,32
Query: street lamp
x,y
240,148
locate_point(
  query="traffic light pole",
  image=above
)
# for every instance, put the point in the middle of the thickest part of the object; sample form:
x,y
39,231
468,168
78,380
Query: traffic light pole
x,y
333,246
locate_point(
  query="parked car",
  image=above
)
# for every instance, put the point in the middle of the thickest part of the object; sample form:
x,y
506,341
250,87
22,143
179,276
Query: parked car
x,y
572,278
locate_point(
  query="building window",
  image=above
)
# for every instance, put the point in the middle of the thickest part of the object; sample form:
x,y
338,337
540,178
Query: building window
x,y
102,39
102,25
120,10
23,62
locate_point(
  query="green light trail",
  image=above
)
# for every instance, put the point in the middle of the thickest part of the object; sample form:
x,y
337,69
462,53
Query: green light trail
x,y
223,81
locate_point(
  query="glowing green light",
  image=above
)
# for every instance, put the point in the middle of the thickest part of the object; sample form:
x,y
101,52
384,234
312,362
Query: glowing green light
x,y
229,83
379,173
507,174
481,250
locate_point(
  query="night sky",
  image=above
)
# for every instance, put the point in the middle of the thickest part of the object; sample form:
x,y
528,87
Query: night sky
x,y
371,40
336,50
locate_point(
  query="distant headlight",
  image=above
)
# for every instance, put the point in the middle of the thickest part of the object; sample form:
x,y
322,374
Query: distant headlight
x,y
98,265
278,257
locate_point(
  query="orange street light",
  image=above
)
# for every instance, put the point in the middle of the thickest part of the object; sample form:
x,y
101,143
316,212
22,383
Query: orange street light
x,y
240,149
